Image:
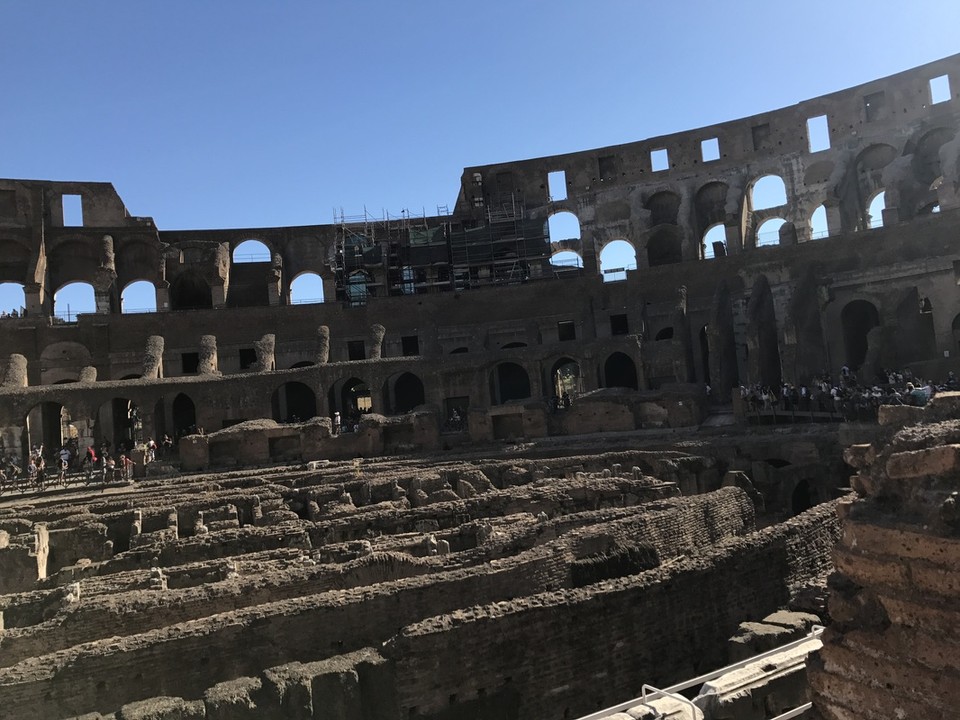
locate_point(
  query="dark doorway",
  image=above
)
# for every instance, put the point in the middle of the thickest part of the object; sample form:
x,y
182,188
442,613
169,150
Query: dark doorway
x,y
857,318
802,498
705,354
190,291
184,415
408,393
511,383
293,402
620,371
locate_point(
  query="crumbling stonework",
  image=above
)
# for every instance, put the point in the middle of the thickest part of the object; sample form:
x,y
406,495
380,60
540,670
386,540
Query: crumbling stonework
x,y
891,651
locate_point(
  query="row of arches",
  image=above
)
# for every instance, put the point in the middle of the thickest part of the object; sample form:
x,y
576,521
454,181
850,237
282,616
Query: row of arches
x,y
189,291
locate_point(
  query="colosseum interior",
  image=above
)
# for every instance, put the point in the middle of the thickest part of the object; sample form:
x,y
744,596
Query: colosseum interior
x,y
474,482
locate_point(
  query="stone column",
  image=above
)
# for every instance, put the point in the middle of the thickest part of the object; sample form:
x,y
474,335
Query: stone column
x,y
323,345
208,356
153,358
377,333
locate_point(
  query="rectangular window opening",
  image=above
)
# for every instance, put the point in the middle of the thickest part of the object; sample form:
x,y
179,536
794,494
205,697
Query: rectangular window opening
x,y
761,136
557,184
710,149
659,160
72,210
566,330
619,325
356,350
939,89
248,356
189,363
607,167
873,105
410,345
818,133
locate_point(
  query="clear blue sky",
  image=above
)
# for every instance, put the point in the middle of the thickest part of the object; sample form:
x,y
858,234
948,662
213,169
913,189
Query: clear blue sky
x,y
244,114
231,114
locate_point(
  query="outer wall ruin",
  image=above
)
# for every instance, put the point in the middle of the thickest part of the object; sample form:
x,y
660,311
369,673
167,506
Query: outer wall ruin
x,y
464,311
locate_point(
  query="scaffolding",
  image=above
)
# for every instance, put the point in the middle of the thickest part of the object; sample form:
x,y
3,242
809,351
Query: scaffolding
x,y
504,248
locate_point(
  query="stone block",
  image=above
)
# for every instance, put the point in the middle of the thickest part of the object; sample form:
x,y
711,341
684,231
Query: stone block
x,y
163,708
233,700
860,456
899,415
921,463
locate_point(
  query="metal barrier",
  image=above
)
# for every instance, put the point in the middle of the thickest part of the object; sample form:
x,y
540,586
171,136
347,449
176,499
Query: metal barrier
x,y
815,632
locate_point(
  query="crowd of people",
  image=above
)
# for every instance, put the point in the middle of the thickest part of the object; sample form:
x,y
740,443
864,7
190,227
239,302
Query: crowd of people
x,y
103,463
846,397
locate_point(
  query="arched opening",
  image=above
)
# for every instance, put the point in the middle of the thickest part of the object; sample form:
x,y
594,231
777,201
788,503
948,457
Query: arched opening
x,y
190,291
664,248
620,371
715,242
184,416
350,398
818,223
565,379
768,192
513,345
407,393
664,207
293,402
875,208
857,319
616,258
13,301
47,424
769,232
73,299
140,296
563,226
251,251
118,423
357,290
763,346
710,204
306,288
664,334
509,382
566,259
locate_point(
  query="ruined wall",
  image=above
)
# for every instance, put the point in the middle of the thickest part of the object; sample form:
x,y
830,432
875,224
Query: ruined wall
x,y
891,650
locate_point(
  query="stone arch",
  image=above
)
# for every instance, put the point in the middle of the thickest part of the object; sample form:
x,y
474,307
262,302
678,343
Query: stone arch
x,y
714,242
563,225
302,364
566,378
767,192
664,334
13,299
819,227
616,257
925,163
619,370
293,402
508,381
184,414
405,392
350,397
251,250
48,423
876,204
664,208
664,247
710,205
857,319
63,361
566,259
118,422
137,260
190,291
73,299
73,261
306,288
138,296
768,232
14,260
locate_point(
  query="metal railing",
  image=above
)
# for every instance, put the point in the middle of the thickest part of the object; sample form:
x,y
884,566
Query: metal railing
x,y
815,632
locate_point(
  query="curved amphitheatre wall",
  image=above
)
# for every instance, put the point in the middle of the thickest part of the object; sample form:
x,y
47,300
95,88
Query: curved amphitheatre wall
x,y
667,323
517,587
